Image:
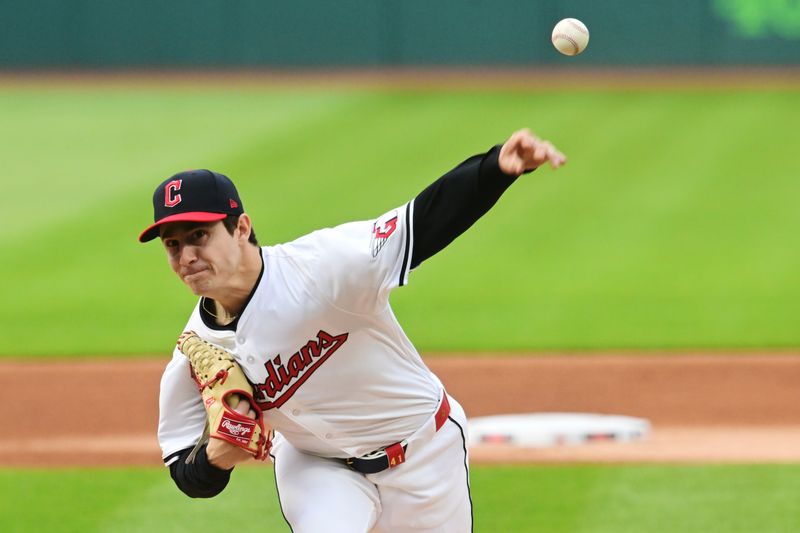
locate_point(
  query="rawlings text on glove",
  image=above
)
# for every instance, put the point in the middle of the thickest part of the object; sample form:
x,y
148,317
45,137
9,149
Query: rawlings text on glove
x,y
221,382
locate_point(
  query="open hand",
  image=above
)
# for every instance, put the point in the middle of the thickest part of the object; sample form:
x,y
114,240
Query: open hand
x,y
525,151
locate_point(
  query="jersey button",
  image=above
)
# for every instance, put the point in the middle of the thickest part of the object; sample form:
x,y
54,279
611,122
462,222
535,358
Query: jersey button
x,y
328,435
250,359
295,412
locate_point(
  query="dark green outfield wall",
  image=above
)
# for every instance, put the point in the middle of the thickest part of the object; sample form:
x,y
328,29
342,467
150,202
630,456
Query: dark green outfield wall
x,y
140,33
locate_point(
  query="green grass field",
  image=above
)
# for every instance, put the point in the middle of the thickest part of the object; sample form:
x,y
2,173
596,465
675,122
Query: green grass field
x,y
597,499
672,226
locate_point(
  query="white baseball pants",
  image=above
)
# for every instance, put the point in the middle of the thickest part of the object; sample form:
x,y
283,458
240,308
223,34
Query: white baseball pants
x,y
427,493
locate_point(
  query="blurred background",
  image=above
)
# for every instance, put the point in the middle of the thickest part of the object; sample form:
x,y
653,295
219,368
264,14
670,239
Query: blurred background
x,y
671,227
670,232
382,33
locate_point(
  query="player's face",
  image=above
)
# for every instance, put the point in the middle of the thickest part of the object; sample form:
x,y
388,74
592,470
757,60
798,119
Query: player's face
x,y
203,255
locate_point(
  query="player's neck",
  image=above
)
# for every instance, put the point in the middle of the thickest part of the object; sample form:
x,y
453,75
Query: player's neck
x,y
217,312
230,300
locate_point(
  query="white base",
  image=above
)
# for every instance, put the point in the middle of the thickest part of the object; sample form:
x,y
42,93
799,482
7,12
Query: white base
x,y
545,430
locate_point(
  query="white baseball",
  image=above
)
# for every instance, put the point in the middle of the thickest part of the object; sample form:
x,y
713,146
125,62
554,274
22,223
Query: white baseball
x,y
570,37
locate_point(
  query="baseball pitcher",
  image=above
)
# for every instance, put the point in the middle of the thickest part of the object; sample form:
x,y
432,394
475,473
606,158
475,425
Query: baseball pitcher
x,y
293,353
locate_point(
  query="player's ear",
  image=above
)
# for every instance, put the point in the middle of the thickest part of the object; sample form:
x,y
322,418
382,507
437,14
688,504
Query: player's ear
x,y
245,226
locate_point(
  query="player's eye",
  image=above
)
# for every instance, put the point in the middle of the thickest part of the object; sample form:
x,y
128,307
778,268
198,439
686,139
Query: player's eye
x,y
170,243
198,236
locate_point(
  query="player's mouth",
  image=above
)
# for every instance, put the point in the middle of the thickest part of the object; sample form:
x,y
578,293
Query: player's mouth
x,y
192,276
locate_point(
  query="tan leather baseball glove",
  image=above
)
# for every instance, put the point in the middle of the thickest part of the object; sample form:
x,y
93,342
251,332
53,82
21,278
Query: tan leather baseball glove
x,y
223,385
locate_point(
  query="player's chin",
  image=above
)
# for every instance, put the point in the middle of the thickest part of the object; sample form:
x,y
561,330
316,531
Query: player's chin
x,y
196,290
200,285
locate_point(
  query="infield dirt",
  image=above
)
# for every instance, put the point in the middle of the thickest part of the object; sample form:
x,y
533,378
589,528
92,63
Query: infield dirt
x,y
703,408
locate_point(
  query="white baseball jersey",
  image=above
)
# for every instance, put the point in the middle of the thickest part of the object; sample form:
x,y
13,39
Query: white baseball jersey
x,y
331,367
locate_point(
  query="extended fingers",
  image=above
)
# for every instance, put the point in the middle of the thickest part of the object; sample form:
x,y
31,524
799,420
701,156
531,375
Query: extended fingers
x,y
546,152
540,152
535,151
525,151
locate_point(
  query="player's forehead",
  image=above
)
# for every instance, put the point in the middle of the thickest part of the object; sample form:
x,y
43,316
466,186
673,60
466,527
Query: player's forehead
x,y
176,229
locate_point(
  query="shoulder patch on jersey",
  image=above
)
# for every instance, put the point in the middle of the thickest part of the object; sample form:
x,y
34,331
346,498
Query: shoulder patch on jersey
x,y
382,229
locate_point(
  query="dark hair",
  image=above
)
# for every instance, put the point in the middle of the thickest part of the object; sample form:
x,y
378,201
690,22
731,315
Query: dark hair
x,y
231,221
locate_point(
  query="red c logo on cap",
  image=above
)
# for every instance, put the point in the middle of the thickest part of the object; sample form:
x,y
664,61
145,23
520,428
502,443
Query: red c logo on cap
x,y
171,198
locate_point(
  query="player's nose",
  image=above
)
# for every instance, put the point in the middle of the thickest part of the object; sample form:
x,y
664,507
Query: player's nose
x,y
188,255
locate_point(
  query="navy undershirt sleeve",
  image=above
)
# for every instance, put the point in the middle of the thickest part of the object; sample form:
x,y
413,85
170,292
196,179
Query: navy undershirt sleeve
x,y
199,479
453,203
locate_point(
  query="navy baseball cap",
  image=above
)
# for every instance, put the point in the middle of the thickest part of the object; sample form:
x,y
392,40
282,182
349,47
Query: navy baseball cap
x,y
193,196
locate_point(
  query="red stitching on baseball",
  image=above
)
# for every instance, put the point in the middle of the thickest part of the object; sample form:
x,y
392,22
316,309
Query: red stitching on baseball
x,y
578,27
567,37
